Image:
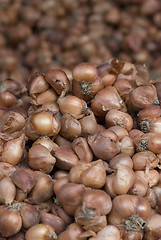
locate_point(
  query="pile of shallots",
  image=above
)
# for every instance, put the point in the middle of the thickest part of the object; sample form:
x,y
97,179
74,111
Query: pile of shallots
x,y
80,154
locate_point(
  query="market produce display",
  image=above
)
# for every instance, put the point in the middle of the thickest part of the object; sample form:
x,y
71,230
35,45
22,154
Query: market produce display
x,y
80,154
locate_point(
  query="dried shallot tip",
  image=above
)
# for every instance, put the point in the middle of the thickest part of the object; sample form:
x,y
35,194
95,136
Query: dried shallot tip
x,y
142,75
104,144
128,68
105,100
37,84
116,66
82,149
65,157
59,81
24,179
70,127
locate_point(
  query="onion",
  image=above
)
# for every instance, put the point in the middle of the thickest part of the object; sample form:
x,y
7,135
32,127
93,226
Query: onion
x,y
82,149
153,227
120,181
117,118
24,179
73,232
70,197
104,144
72,105
7,191
109,232
11,221
41,232
132,212
105,100
58,80
43,189
13,150
41,159
54,221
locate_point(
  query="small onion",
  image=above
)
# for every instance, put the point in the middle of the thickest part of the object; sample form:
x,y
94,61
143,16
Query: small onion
x,y
41,232
70,197
43,189
7,191
73,232
104,144
24,179
13,150
11,221
73,106
41,159
45,123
